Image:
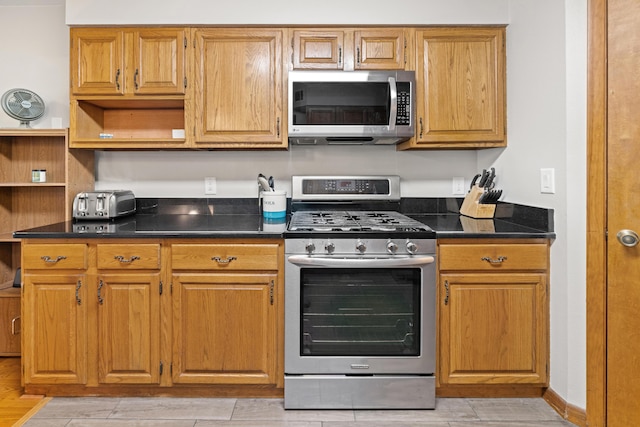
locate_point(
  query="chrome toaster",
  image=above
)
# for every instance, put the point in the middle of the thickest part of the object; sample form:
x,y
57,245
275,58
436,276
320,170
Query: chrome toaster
x,y
105,204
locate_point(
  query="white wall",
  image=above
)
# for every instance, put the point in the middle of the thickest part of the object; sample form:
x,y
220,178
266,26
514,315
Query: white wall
x,y
546,87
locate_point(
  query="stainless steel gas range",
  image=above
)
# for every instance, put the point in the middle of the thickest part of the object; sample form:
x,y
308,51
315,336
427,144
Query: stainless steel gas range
x,y
359,298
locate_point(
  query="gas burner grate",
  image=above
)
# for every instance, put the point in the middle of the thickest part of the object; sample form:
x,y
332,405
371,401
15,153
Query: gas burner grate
x,y
354,221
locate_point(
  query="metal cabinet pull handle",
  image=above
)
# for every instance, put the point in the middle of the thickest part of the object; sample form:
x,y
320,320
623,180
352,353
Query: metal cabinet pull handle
x,y
500,259
219,260
13,325
118,79
124,260
358,55
446,292
278,127
135,79
78,300
421,128
271,285
100,299
340,55
53,261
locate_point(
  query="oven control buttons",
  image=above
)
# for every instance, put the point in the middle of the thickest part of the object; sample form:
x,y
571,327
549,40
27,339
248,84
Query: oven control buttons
x,y
310,247
412,248
329,247
392,248
361,247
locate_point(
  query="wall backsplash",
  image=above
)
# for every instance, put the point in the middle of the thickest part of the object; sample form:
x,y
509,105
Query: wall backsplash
x,y
182,173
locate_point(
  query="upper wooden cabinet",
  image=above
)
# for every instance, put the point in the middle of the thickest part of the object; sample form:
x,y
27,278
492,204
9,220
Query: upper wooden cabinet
x,y
348,49
460,79
140,61
239,89
128,88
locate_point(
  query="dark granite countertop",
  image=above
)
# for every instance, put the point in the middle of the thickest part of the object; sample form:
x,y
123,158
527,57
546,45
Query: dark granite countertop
x,y
240,218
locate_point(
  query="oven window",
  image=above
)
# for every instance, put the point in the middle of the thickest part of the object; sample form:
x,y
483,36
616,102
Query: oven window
x,y
360,312
330,103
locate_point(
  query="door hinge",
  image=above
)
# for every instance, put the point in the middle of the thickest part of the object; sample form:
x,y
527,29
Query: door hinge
x,y
185,42
160,287
185,82
171,288
171,368
161,368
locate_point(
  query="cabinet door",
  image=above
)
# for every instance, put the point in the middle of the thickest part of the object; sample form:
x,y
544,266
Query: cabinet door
x,y
54,328
379,49
97,61
224,328
129,328
10,322
318,49
239,88
461,87
159,61
493,328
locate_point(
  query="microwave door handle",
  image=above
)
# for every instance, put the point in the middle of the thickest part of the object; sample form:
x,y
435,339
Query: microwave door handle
x,y
393,113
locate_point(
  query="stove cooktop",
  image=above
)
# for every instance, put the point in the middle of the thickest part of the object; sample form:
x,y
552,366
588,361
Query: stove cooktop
x,y
350,221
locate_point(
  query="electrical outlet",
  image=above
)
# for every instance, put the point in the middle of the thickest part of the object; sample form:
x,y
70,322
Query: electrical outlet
x,y
458,186
548,180
210,186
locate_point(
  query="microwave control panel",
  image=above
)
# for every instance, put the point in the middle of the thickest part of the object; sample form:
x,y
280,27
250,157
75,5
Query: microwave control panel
x,y
404,103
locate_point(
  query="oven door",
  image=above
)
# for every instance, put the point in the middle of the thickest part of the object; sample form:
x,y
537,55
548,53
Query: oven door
x,y
360,315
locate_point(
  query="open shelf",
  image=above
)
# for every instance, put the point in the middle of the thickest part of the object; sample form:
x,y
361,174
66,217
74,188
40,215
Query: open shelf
x,y
145,123
25,204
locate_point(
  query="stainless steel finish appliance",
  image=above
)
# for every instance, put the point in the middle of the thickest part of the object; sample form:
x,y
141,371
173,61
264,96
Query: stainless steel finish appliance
x,y
359,298
352,107
105,204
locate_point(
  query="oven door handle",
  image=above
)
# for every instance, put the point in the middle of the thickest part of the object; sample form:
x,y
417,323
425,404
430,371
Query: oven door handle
x,y
361,262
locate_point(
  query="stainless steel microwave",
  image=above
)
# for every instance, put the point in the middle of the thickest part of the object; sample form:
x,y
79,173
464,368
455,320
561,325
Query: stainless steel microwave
x,y
351,107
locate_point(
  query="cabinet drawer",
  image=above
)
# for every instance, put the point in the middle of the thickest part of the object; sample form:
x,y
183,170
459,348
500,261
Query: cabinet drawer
x,y
54,256
133,256
492,257
224,257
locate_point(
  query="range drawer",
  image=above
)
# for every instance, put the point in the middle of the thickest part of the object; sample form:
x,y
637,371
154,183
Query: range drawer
x,y
224,257
129,256
55,256
492,257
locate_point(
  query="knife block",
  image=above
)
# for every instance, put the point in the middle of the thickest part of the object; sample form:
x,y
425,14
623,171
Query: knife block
x,y
471,208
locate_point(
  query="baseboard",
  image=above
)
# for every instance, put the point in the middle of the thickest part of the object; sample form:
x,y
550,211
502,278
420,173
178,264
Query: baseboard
x,y
571,413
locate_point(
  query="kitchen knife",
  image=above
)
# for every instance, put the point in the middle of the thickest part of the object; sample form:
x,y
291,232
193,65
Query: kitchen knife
x,y
473,181
483,178
488,184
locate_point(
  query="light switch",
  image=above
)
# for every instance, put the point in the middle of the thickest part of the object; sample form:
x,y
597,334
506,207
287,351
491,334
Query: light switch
x,y
548,180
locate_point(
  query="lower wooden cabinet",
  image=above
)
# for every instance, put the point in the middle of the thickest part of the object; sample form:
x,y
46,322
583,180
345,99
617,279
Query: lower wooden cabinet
x,y
129,328
493,313
103,316
10,322
225,328
54,327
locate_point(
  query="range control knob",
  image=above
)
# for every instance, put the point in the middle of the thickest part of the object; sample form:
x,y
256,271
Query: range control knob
x,y
310,247
392,248
412,248
361,247
330,247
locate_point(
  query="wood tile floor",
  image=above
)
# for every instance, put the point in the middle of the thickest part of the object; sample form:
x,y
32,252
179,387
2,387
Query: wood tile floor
x,y
13,404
